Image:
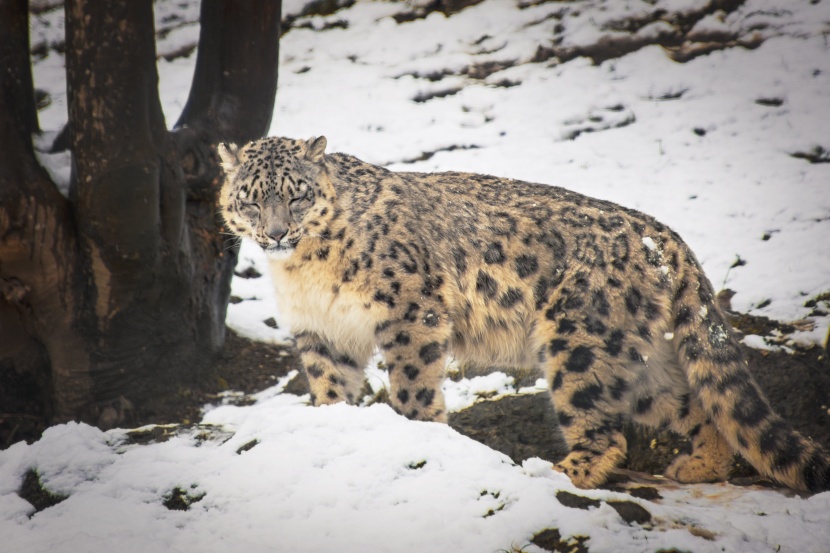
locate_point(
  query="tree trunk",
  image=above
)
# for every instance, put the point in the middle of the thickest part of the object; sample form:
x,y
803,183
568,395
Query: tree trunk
x,y
117,296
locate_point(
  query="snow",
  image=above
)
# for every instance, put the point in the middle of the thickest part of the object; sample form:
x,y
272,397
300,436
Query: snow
x,y
688,143
759,342
341,478
258,299
465,392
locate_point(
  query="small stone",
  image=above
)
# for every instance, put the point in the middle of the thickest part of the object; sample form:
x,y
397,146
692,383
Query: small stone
x,y
574,501
630,511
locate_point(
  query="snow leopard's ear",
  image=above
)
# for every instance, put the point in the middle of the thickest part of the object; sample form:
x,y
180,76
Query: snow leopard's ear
x,y
228,157
315,149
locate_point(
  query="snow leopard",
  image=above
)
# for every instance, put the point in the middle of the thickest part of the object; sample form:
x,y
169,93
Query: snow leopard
x,y
610,304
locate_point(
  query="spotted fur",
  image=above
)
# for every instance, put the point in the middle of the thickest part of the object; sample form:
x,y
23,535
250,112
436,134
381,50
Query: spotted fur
x,y
609,303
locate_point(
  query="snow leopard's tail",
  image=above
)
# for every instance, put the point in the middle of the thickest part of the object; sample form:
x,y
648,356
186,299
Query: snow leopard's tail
x,y
719,375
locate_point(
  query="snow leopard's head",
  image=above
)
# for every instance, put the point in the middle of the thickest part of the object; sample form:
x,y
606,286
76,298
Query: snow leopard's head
x,y
276,190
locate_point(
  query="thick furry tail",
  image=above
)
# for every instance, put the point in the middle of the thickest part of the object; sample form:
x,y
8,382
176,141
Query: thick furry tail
x,y
719,375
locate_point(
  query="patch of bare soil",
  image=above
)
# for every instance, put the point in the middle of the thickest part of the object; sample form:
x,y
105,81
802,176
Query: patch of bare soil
x,y
243,366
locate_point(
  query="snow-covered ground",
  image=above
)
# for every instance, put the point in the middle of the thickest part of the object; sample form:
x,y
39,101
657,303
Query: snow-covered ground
x,y
347,479
705,146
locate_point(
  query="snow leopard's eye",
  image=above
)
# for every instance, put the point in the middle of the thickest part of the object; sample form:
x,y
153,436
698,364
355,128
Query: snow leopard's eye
x,y
301,203
249,210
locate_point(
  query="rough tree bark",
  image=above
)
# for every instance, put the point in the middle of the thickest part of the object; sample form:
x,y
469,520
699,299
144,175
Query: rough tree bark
x,y
117,294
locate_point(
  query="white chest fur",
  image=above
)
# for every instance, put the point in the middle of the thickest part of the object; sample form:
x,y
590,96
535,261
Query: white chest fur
x,y
308,301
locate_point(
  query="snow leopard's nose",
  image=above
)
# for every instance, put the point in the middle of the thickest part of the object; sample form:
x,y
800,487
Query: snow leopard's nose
x,y
276,233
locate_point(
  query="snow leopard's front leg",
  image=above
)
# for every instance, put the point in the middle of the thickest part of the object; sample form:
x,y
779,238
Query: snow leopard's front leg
x,y
414,343
332,375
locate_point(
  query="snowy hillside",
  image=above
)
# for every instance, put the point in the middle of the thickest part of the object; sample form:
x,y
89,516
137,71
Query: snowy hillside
x,y
729,148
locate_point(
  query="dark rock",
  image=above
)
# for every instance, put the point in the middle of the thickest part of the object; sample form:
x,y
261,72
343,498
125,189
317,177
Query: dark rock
x,y
645,492
247,446
520,426
180,500
550,539
630,511
32,490
574,501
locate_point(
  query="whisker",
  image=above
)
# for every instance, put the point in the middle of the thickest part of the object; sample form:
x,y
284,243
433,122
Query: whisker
x,y
231,242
